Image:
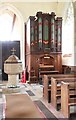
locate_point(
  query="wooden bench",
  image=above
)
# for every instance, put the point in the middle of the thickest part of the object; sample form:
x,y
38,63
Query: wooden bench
x,y
56,89
68,97
47,84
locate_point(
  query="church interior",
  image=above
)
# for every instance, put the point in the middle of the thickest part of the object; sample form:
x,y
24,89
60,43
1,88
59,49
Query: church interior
x,y
37,59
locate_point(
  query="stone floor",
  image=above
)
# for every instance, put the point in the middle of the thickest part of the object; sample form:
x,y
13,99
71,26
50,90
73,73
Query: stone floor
x,y
37,89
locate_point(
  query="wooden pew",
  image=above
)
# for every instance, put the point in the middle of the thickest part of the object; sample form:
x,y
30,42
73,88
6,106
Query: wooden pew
x,y
68,97
59,75
56,76
56,89
47,84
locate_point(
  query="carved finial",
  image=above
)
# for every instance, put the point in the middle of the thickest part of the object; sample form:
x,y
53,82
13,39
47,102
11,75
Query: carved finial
x,y
13,51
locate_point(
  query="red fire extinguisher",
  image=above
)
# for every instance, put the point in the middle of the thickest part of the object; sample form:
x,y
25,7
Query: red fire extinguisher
x,y
23,80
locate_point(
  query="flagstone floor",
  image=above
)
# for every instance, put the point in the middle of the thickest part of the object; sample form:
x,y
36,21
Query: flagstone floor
x,y
37,89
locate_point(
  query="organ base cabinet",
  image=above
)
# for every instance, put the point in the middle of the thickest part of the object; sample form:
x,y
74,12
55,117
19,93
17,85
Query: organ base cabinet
x,y
48,64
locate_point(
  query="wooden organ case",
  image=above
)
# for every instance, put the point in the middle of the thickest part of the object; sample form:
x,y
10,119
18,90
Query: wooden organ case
x,y
44,42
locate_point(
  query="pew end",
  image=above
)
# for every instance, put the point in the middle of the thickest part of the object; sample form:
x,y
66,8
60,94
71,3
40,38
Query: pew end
x,y
46,88
68,97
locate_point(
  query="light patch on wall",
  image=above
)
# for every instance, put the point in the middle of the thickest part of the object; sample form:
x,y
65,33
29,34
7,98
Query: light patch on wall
x,y
5,26
6,31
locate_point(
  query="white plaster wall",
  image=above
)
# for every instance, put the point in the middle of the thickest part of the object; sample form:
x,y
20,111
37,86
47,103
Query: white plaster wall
x,y
68,39
74,4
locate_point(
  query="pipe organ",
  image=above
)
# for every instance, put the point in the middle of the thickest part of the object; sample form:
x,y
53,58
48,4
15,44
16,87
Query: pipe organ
x,y
44,38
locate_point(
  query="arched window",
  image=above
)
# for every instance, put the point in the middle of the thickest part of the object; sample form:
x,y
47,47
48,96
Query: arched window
x,y
11,32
